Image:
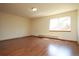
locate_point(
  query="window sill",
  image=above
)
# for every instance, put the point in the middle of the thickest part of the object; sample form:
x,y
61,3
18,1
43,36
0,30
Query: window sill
x,y
58,31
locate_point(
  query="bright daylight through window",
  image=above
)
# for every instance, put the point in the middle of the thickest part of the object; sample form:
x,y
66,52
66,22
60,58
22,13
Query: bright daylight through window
x,y
60,24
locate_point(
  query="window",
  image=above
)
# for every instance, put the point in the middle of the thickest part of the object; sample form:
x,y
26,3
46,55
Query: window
x,y
60,24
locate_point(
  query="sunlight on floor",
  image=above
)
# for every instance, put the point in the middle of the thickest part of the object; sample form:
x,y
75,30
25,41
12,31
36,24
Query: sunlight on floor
x,y
58,51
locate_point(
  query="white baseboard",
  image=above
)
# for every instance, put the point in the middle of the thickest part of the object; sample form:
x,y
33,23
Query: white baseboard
x,y
13,38
54,37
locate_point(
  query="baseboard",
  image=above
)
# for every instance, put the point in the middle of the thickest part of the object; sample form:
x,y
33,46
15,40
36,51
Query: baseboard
x,y
40,36
15,38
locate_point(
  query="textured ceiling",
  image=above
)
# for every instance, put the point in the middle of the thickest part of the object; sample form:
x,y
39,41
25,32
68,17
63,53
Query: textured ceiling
x,y
44,9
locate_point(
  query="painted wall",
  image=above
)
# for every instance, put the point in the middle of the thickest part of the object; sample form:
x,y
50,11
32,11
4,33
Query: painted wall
x,y
40,26
78,25
13,26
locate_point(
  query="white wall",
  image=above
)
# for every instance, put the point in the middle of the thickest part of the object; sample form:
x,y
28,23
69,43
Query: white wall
x,y
78,25
40,26
12,26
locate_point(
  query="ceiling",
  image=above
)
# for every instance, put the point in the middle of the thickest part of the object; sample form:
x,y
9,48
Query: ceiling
x,y
44,9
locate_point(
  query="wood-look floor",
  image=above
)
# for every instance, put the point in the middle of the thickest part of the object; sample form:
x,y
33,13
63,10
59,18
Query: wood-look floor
x,y
34,46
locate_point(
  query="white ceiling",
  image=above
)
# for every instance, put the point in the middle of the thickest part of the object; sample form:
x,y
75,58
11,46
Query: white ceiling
x,y
44,9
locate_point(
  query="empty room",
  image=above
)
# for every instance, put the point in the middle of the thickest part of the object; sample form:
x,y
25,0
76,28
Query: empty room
x,y
39,29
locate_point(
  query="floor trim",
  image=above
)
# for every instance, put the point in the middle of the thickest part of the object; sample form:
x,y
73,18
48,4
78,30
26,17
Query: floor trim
x,y
15,38
54,38
38,37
